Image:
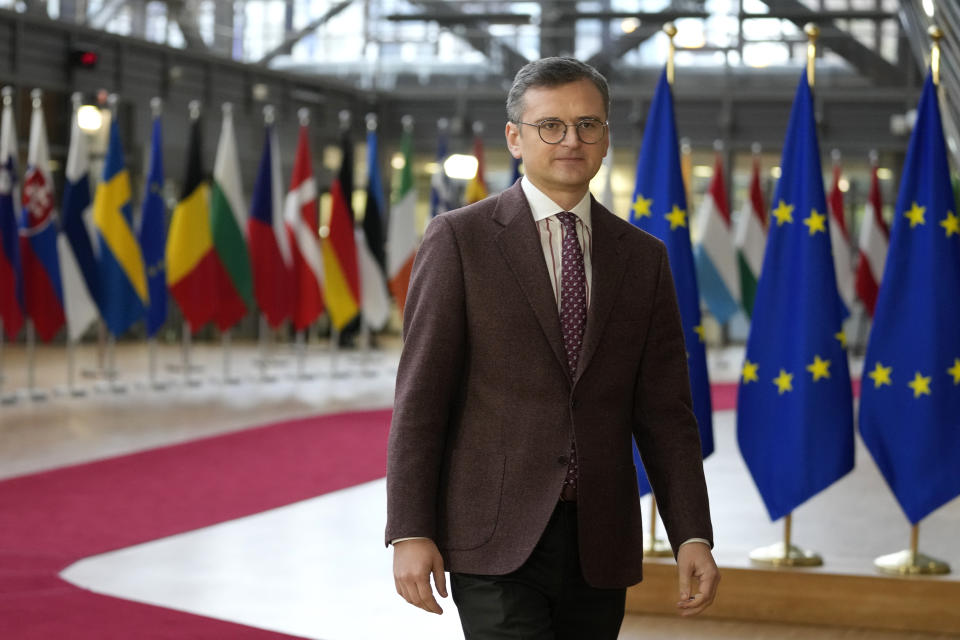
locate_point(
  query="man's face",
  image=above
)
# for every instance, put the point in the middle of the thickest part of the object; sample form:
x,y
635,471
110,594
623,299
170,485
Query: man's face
x,y
570,165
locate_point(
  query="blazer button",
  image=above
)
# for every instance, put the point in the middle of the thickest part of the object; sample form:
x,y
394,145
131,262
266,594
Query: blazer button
x,y
562,460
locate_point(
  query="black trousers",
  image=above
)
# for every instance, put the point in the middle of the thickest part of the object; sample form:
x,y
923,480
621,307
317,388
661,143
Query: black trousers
x,y
545,599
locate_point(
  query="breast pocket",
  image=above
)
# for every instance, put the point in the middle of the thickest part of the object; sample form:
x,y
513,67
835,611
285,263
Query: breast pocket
x,y
471,499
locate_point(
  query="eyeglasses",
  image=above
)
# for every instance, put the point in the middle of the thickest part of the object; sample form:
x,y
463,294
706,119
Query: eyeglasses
x,y
554,130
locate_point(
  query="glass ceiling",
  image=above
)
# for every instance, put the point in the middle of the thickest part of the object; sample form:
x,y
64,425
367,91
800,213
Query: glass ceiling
x,y
377,36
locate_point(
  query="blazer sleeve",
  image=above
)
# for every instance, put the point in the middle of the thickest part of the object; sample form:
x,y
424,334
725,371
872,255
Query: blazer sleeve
x,y
428,383
665,426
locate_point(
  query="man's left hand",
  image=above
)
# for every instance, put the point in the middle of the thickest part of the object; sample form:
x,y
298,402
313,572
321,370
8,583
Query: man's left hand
x,y
694,560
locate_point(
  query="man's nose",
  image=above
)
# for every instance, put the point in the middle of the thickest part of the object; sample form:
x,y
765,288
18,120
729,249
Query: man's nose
x,y
571,138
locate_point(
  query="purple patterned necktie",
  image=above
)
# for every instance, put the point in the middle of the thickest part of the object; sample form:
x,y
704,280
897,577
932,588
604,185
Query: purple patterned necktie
x,y
573,319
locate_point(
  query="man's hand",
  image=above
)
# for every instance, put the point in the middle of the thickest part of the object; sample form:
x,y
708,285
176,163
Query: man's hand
x,y
694,560
413,562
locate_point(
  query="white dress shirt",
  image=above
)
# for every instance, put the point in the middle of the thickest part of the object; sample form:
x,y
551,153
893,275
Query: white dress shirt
x,y
551,232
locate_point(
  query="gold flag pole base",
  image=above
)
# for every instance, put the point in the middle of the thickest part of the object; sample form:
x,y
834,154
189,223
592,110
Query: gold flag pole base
x,y
775,556
785,554
909,563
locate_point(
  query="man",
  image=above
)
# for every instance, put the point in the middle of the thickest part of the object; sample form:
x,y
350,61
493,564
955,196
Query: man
x,y
541,335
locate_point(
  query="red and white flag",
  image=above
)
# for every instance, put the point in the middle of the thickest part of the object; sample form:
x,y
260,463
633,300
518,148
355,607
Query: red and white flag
x,y
873,242
840,240
300,215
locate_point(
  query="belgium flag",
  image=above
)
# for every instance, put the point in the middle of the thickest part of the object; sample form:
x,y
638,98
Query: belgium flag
x,y
195,276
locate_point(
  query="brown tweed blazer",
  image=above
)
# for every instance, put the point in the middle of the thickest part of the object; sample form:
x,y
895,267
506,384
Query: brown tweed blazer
x,y
485,406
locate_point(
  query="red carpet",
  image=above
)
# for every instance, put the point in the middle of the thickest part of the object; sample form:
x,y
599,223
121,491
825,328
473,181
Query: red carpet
x,y
52,519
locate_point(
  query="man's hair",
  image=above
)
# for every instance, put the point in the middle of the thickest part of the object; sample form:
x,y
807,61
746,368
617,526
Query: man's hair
x,y
552,72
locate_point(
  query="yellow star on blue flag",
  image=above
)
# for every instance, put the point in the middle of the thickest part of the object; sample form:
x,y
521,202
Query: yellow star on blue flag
x,y
660,208
796,435
911,422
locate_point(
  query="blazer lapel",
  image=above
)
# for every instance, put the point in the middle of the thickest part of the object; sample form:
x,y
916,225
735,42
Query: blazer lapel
x,y
608,265
520,245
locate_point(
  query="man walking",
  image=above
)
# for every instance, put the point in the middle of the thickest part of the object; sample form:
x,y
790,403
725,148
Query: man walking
x,y
542,336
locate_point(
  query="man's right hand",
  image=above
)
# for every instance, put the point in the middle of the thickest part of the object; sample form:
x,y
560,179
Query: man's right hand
x,y
413,562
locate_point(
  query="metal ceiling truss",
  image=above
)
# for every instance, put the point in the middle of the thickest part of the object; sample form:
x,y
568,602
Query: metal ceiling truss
x,y
868,63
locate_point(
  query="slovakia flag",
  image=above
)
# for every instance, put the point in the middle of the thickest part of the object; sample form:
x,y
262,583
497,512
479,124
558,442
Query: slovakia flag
x,y
43,292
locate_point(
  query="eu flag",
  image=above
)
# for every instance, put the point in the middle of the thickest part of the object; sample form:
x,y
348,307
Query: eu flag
x,y
153,236
660,208
910,401
795,411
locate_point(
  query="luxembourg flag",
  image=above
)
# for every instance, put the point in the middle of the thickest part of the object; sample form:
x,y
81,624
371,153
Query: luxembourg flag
x,y
43,292
874,241
715,255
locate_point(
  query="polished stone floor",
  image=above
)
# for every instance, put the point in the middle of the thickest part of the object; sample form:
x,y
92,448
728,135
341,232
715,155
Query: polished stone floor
x,y
318,568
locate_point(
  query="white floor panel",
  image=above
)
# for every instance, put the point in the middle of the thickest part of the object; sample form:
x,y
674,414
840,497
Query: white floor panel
x,y
316,569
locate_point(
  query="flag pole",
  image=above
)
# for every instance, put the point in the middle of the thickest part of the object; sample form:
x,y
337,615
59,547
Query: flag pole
x,y
35,394
152,364
344,117
9,398
334,350
111,374
262,338
302,336
156,110
911,561
364,325
225,342
226,335
187,342
301,355
655,547
114,385
786,554
100,370
75,100
76,392
269,116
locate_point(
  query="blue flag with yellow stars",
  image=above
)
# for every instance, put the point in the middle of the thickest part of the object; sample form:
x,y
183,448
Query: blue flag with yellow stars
x,y
794,403
660,208
910,400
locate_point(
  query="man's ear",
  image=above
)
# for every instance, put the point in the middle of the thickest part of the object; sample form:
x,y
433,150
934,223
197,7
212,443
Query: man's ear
x,y
512,134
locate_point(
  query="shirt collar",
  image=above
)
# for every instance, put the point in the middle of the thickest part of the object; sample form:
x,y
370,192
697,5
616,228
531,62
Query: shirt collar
x,y
543,207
